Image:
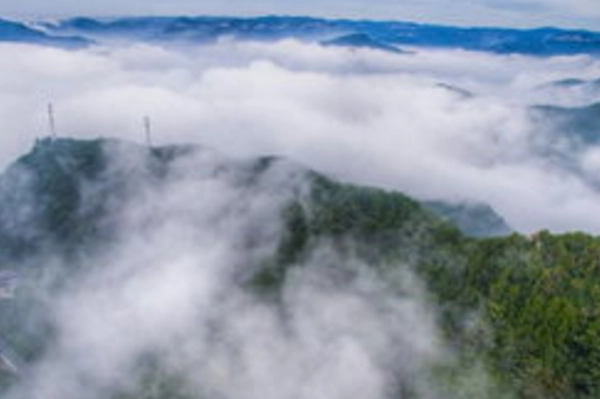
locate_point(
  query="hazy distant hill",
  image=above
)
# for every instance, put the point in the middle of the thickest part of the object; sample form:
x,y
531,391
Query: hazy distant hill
x,y
581,124
17,32
361,40
473,219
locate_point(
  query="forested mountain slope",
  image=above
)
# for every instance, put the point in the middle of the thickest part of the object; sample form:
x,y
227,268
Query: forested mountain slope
x,y
520,309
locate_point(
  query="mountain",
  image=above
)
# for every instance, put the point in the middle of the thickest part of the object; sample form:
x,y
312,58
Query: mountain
x,y
381,34
456,90
52,173
580,124
521,311
197,29
473,219
17,32
361,40
564,135
574,82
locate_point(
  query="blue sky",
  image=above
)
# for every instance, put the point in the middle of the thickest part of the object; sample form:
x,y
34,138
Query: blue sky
x,y
521,13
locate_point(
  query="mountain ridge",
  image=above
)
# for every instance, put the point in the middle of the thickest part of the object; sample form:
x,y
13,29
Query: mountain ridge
x,y
536,42
535,295
12,31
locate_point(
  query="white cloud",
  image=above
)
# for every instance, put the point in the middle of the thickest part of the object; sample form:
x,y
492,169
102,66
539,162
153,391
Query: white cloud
x,y
365,116
173,286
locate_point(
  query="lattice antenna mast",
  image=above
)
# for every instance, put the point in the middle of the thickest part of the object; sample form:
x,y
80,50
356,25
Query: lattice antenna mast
x,y
51,121
148,131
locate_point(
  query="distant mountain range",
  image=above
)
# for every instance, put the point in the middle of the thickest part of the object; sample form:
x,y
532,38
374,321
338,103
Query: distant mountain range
x,y
380,35
18,32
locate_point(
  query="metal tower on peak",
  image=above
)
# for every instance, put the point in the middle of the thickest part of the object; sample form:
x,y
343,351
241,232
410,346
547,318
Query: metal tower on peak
x,y
51,121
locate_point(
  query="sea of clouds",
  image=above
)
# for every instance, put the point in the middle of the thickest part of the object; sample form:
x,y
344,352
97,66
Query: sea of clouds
x,y
435,124
444,124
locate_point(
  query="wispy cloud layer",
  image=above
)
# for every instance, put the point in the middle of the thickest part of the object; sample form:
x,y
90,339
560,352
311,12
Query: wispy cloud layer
x,y
436,124
174,296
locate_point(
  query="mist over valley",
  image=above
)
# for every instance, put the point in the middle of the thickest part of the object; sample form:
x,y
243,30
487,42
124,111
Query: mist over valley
x,y
291,207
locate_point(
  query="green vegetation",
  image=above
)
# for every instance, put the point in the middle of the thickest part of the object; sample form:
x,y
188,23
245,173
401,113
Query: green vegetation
x,y
523,311
527,307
